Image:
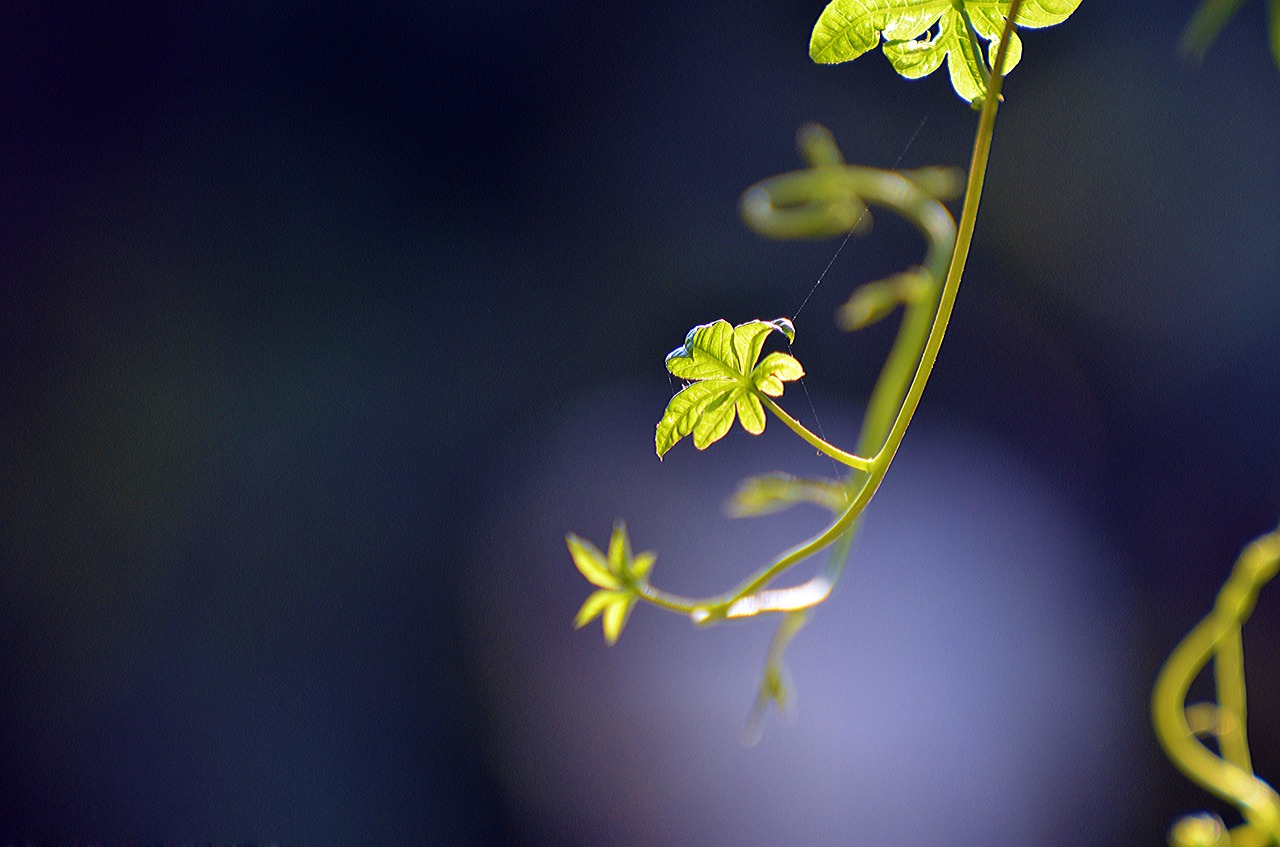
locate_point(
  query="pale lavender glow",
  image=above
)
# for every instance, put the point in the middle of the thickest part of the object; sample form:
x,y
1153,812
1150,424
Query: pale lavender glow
x,y
967,683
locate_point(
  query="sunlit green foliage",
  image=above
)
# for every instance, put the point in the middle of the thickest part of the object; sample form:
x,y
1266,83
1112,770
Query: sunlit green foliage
x,y
617,575
848,28
729,381
770,493
720,362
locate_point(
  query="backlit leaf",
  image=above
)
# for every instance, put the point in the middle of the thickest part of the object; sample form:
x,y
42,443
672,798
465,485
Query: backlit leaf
x,y
615,618
619,576
727,383
769,493
591,562
642,564
594,605
776,369
619,549
848,28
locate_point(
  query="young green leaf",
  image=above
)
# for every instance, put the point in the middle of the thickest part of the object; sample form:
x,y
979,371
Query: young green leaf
x,y
595,604
591,563
1212,15
873,301
612,607
773,492
1205,25
848,28
617,574
728,384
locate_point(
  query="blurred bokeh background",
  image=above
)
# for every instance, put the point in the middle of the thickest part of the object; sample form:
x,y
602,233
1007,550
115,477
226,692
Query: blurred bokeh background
x,y
322,323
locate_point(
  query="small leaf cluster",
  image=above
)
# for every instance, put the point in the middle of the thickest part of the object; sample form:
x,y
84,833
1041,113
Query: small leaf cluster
x,y
848,28
618,576
726,381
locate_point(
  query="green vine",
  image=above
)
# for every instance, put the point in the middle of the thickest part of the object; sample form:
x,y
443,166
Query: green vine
x,y
728,380
1179,727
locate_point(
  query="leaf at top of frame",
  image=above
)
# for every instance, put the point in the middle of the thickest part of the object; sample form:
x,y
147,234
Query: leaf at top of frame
x,y
848,28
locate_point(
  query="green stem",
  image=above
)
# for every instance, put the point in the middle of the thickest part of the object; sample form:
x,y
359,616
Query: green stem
x,y
882,408
899,368
1257,801
964,238
968,219
785,203
774,686
886,399
1228,677
820,444
758,204
712,609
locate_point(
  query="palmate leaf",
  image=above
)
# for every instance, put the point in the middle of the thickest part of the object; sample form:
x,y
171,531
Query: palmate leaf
x,y
617,575
727,381
848,28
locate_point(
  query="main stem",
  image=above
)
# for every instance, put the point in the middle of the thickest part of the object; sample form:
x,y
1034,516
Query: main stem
x,y
964,237
709,610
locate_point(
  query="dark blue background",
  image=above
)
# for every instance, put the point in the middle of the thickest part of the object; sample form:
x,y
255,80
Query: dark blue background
x,y
289,288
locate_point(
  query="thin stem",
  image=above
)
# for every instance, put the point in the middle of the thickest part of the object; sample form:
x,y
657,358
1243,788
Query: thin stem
x,y
667,600
899,368
774,687
976,47
964,238
886,400
1228,674
791,202
819,443
1258,802
1228,781
711,609
797,597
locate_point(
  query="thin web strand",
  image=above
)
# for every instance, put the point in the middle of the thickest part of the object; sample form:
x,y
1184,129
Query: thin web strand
x,y
817,422
858,222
